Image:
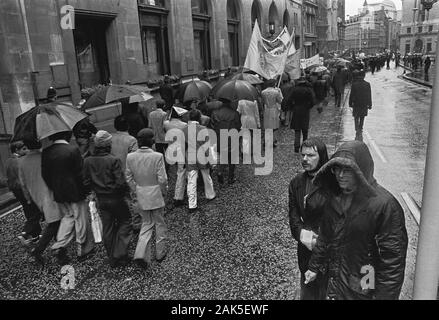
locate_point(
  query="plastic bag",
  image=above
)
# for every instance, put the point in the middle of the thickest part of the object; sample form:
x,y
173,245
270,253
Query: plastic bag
x,y
96,222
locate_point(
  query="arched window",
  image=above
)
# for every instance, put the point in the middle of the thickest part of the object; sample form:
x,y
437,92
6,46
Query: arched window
x,y
233,32
286,19
256,13
232,11
273,18
199,6
154,31
201,24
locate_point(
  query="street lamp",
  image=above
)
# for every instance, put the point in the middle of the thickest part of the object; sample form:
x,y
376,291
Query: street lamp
x,y
428,4
339,31
272,28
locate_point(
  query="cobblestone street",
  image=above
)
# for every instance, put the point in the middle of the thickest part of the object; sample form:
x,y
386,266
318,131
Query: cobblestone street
x,y
237,247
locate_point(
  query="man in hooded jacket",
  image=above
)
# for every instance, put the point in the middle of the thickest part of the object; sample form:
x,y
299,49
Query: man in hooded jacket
x,y
304,224
362,244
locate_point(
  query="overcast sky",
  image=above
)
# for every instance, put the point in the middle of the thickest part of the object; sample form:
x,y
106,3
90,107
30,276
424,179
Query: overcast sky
x,y
353,5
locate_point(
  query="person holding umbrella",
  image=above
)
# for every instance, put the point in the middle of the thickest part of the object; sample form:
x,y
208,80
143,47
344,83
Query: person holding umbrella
x,y
36,191
226,118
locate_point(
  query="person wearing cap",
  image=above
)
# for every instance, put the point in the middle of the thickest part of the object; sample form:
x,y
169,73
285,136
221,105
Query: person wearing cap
x,y
175,123
146,175
360,101
51,95
103,175
362,245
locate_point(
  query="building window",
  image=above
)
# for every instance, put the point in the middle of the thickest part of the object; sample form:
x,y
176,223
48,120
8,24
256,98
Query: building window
x,y
199,6
157,3
407,47
429,47
409,30
201,25
256,14
430,28
155,45
420,29
286,19
233,32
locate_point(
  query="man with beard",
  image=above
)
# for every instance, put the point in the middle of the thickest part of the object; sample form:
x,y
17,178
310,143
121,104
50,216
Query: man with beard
x,y
304,223
362,244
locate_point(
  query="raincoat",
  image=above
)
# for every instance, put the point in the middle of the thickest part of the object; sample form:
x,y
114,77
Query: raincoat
x,y
362,251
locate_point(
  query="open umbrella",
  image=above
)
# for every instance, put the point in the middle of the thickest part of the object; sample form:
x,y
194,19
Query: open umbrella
x,y
45,120
194,90
116,92
342,62
250,78
235,90
318,69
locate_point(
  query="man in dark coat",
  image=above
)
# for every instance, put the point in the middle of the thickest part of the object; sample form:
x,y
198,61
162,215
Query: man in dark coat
x,y
61,168
362,244
339,82
304,224
300,101
360,101
167,93
226,118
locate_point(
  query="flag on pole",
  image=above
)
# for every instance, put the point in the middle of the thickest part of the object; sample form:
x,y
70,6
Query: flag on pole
x,y
267,62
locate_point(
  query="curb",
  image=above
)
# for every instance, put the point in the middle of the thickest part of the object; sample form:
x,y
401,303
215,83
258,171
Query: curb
x,y
413,207
418,81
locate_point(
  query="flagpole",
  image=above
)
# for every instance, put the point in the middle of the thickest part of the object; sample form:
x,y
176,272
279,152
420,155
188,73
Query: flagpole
x,y
288,51
427,260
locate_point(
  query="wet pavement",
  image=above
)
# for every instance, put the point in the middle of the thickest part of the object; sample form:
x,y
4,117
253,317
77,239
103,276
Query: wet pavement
x,y
240,245
420,74
237,247
396,132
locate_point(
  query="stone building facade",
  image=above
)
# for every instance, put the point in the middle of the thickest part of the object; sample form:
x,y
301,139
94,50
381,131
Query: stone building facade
x,y
330,26
374,29
419,28
74,44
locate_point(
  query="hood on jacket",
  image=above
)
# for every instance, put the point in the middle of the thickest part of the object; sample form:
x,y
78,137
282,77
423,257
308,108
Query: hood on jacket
x,y
355,155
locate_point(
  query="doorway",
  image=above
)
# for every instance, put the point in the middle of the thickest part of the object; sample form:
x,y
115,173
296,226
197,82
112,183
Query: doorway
x,y
91,50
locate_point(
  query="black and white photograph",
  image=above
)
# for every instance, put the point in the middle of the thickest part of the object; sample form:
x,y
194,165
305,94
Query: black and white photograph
x,y
219,155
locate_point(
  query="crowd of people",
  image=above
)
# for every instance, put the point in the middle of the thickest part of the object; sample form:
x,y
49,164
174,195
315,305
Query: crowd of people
x,y
341,218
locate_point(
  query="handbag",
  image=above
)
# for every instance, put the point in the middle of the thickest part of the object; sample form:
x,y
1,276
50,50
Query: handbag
x,y
96,222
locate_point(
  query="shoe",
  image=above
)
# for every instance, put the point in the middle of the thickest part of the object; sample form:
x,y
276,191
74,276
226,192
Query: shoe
x,y
38,258
141,264
61,257
178,203
27,240
193,210
210,200
87,256
161,250
116,263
